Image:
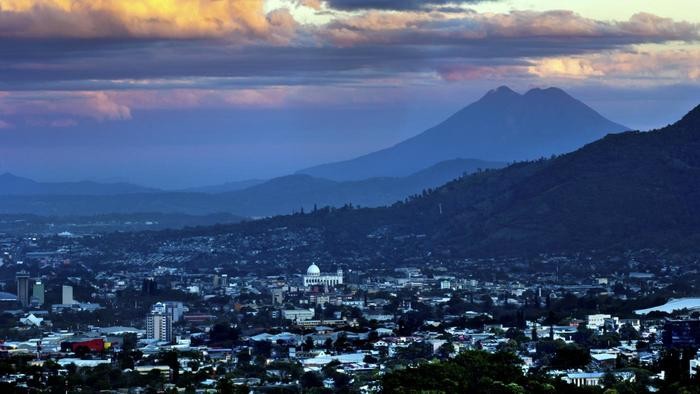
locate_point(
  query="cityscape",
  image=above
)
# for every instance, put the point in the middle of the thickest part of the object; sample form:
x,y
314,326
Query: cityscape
x,y
349,196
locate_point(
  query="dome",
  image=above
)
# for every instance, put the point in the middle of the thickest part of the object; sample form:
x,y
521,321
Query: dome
x,y
313,270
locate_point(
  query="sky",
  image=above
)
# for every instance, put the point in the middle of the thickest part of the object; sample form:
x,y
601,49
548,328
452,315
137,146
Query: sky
x,y
179,93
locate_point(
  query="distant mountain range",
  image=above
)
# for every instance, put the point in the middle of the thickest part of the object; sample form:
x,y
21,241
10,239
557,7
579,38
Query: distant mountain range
x,y
225,187
624,191
501,126
14,185
277,196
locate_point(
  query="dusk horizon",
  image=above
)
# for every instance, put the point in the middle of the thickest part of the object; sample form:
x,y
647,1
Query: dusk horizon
x,y
259,89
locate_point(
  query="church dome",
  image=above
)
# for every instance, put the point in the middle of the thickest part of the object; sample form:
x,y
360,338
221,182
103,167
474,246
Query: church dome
x,y
313,270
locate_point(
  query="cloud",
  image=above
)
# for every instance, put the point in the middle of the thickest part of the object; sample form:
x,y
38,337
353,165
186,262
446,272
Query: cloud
x,y
63,123
315,4
475,72
137,19
101,107
658,65
4,124
95,105
558,27
352,5
102,60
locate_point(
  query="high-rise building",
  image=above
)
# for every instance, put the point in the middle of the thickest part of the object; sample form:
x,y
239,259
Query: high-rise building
x,y
67,295
149,286
224,281
38,293
159,325
23,288
174,309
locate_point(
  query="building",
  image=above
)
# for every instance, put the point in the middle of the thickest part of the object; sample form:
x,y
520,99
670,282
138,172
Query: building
x,y
277,296
596,321
38,292
582,379
314,277
695,365
67,295
92,345
297,315
173,308
23,288
159,326
681,333
149,286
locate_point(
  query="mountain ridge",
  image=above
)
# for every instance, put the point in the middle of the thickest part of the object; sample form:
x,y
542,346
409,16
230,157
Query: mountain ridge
x,y
11,184
501,126
632,190
280,195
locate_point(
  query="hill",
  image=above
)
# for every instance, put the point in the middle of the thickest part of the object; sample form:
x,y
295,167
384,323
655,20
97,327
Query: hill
x,y
501,126
626,191
12,185
281,195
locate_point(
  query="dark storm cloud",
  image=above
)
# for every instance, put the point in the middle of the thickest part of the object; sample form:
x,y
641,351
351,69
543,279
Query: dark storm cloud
x,y
374,45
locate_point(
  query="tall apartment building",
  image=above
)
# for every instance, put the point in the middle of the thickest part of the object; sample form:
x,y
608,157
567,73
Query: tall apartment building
x,y
23,288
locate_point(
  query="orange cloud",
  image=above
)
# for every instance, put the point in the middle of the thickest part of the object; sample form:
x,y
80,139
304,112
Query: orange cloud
x,y
424,27
137,18
95,105
677,64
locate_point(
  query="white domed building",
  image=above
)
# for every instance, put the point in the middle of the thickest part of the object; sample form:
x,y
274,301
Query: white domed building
x,y
315,277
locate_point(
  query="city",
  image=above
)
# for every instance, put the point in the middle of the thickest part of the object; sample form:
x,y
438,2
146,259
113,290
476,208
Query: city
x,y
81,315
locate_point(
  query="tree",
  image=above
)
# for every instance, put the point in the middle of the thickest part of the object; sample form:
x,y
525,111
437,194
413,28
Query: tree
x,y
570,356
445,350
171,360
222,334
310,380
469,372
308,344
628,333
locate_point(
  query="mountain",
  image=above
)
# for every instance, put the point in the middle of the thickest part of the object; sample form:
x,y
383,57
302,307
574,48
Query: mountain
x,y
225,187
277,196
14,185
632,190
291,193
501,126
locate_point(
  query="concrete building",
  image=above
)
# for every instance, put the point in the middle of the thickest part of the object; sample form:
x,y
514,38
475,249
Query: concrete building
x,y
159,326
297,315
314,277
38,292
67,295
173,308
596,321
23,288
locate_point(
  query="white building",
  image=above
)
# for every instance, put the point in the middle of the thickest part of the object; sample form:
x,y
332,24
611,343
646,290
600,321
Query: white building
x,y
159,326
695,365
173,308
67,295
314,277
597,321
297,315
